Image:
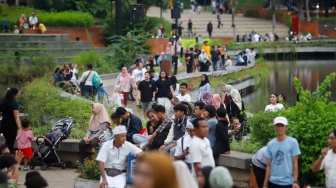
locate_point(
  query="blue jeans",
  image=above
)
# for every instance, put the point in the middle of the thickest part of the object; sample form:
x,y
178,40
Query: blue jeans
x,y
215,65
223,62
88,91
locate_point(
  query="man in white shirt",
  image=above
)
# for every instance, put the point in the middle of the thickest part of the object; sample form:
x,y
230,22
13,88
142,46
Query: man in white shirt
x,y
183,144
184,96
256,37
327,161
138,74
33,20
112,159
200,149
228,63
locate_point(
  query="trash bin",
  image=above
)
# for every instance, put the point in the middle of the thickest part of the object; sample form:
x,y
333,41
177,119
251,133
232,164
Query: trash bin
x,y
166,63
295,23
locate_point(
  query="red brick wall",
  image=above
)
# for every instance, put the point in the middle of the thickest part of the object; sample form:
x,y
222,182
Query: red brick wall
x,y
312,27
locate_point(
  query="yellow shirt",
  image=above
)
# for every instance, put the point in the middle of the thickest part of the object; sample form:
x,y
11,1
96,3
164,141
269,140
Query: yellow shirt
x,y
207,50
42,28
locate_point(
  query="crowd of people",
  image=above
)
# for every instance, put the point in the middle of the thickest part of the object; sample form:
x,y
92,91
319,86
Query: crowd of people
x,y
31,23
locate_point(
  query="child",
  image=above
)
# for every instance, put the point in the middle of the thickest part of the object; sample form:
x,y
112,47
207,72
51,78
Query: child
x,y
116,96
16,30
101,91
24,139
42,27
194,31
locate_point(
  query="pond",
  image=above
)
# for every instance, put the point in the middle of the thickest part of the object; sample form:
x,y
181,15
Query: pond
x,y
310,73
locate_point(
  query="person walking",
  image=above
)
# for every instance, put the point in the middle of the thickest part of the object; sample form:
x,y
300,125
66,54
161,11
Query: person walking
x,y
146,94
124,80
10,117
259,163
209,28
164,86
282,155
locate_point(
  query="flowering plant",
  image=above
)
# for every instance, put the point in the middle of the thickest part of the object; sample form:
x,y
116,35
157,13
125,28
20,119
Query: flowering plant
x,y
90,168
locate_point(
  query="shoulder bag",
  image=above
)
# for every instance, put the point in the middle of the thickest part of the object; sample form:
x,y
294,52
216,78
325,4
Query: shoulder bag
x,y
82,84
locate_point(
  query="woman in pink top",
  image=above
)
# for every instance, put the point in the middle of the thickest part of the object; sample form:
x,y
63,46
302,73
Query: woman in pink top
x,y
170,48
23,20
124,80
24,139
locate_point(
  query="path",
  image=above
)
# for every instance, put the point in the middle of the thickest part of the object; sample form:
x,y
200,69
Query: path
x,y
244,25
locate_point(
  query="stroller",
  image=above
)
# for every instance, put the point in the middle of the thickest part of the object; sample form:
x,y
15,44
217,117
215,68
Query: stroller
x,y
45,151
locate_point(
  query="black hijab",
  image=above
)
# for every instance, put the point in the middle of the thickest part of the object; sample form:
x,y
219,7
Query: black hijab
x,y
205,81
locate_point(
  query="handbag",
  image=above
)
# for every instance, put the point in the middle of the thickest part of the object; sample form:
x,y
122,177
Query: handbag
x,y
169,95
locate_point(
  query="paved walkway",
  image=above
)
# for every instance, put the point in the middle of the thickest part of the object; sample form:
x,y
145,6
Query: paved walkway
x,y
244,25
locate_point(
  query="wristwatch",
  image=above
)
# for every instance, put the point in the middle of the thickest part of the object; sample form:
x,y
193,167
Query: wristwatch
x,y
296,182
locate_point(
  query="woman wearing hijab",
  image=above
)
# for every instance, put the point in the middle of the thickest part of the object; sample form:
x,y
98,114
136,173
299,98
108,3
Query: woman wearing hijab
x,y
217,101
207,98
226,93
124,80
170,49
99,122
204,86
184,176
203,61
236,106
153,174
220,177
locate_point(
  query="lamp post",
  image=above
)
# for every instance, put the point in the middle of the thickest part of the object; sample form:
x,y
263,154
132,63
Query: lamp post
x,y
177,8
118,6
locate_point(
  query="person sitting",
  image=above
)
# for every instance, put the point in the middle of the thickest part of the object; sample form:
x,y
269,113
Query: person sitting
x,y
130,121
98,124
42,27
184,96
308,37
228,63
33,21
241,59
9,164
207,97
112,158
182,147
23,21
35,180
16,30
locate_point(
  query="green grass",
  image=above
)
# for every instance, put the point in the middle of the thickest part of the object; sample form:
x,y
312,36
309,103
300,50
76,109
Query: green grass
x,y
246,146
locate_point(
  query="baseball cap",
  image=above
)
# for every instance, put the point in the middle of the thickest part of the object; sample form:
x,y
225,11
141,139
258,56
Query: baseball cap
x,y
281,120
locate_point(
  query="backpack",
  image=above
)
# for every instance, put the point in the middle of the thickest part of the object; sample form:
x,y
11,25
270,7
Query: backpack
x,y
95,80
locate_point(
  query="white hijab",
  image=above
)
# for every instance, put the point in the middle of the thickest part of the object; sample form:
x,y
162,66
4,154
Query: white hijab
x,y
183,174
229,88
236,98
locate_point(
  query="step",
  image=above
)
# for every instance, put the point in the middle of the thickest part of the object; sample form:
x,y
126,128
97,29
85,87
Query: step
x,y
34,37
57,51
51,44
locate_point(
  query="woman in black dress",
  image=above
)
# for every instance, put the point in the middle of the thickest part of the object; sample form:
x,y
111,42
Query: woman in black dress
x,y
236,106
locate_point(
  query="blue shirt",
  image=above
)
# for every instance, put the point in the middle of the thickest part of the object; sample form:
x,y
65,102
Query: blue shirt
x,y
281,154
212,122
133,125
101,92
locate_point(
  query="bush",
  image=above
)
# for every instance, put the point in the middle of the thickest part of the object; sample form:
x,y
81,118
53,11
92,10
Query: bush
x,y
40,98
310,120
90,168
49,19
251,13
247,146
186,43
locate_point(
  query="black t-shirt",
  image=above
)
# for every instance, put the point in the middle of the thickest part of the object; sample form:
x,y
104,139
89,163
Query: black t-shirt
x,y
189,25
198,52
146,89
149,124
215,55
163,87
7,112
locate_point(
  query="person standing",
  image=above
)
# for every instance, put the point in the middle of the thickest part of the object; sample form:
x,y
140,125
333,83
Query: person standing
x,y
209,113
137,76
206,48
327,161
204,86
130,71
10,117
222,144
190,26
112,159
282,153
203,61
213,6
146,94
222,52
124,80
163,87
219,21
87,77
236,106
179,29
209,28
24,140
215,58
259,163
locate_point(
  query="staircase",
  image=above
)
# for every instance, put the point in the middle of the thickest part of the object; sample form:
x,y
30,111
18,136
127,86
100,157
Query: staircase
x,y
244,25
58,45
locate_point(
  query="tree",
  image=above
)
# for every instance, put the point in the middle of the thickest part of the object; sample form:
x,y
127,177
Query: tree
x,y
300,8
307,10
233,5
273,16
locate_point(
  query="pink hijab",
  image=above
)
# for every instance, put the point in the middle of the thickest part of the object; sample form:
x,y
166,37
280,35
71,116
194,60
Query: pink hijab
x,y
207,98
125,77
99,115
216,101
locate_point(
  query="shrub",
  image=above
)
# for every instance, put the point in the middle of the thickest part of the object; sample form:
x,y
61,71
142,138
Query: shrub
x,y
251,13
246,146
90,168
186,43
40,97
310,120
49,19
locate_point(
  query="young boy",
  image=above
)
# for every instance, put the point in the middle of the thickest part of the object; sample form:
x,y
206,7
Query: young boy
x,y
24,139
194,31
101,92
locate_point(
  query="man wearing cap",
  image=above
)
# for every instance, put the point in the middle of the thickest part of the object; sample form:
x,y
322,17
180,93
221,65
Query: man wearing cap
x,y
33,21
182,147
282,153
112,159
132,123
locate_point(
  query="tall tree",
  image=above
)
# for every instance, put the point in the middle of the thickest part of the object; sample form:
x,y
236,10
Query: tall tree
x,y
307,10
273,16
233,5
300,8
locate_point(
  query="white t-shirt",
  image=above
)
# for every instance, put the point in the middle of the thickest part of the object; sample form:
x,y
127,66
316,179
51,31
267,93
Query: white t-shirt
x,y
201,152
74,73
186,144
186,97
33,20
256,37
228,64
116,157
138,75
274,108
329,166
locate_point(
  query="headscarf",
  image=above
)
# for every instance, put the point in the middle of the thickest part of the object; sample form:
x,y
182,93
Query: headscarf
x,y
220,177
206,80
216,101
229,88
164,175
206,173
116,93
184,176
236,98
100,115
170,49
125,77
207,97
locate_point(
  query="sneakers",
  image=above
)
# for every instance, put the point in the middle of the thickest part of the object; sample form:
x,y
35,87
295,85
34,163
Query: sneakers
x,y
25,169
138,107
19,167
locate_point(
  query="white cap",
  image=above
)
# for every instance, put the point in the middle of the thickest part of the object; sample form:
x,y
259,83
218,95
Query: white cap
x,y
119,130
189,125
281,120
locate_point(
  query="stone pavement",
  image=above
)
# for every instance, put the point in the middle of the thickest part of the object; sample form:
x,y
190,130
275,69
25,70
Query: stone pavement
x,y
55,176
244,25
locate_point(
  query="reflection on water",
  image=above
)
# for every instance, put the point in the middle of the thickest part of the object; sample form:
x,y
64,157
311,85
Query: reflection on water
x,y
310,72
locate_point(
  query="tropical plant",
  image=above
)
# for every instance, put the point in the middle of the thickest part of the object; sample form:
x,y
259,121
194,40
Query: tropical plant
x,y
90,168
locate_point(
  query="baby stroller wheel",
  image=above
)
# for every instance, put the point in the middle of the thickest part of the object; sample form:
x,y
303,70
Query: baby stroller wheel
x,y
43,167
63,165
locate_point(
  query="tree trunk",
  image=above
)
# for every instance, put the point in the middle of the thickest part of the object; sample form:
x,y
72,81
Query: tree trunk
x,y
307,10
233,22
273,16
300,7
